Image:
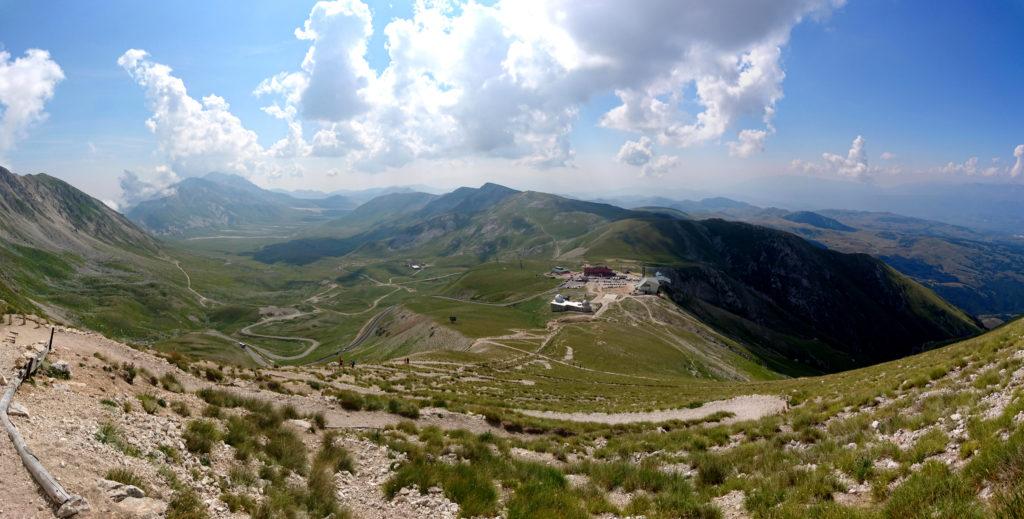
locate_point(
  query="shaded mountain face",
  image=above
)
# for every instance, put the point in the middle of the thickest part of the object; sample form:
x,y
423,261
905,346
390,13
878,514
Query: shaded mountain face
x,y
822,309
219,201
979,271
44,212
817,220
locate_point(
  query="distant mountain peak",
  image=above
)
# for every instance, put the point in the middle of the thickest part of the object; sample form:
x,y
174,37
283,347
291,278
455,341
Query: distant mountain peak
x,y
219,201
721,202
491,186
230,179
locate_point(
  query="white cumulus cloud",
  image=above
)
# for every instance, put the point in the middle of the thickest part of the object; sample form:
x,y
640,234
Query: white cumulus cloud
x,y
135,189
969,167
508,80
636,153
26,84
996,167
853,165
195,136
1018,165
660,165
748,143
640,153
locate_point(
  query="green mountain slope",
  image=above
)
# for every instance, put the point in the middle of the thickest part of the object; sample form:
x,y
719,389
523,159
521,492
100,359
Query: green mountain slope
x,y
801,307
824,309
376,211
483,223
67,255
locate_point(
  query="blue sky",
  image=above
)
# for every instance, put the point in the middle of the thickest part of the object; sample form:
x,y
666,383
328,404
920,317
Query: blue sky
x,y
934,81
934,84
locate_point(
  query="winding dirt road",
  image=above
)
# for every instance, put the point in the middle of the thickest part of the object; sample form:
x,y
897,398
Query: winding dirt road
x,y
203,300
313,343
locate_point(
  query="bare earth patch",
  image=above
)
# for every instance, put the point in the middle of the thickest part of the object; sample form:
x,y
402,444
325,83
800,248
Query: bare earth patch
x,y
747,407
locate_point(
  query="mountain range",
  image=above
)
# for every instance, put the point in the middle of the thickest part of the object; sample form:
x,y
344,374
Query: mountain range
x,y
218,202
804,306
68,255
988,206
979,271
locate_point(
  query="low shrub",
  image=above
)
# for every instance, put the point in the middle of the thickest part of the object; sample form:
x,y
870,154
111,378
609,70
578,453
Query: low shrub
x,y
186,504
171,383
110,434
334,456
214,375
929,444
542,492
403,408
149,403
212,411
240,475
350,400
170,452
129,372
319,421
200,436
286,449
181,409
711,469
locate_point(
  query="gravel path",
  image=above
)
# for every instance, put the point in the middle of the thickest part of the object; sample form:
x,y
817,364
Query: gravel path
x,y
748,407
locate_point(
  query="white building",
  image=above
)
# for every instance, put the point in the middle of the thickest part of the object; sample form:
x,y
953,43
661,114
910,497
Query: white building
x,y
561,304
647,286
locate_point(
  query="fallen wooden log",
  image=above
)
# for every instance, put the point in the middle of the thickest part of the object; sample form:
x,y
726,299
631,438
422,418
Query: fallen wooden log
x,y
67,503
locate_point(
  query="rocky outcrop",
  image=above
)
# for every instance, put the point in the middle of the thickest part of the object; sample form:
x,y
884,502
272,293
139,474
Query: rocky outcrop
x,y
118,492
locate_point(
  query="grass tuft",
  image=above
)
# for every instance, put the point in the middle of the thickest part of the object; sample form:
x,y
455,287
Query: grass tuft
x,y
127,477
200,436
